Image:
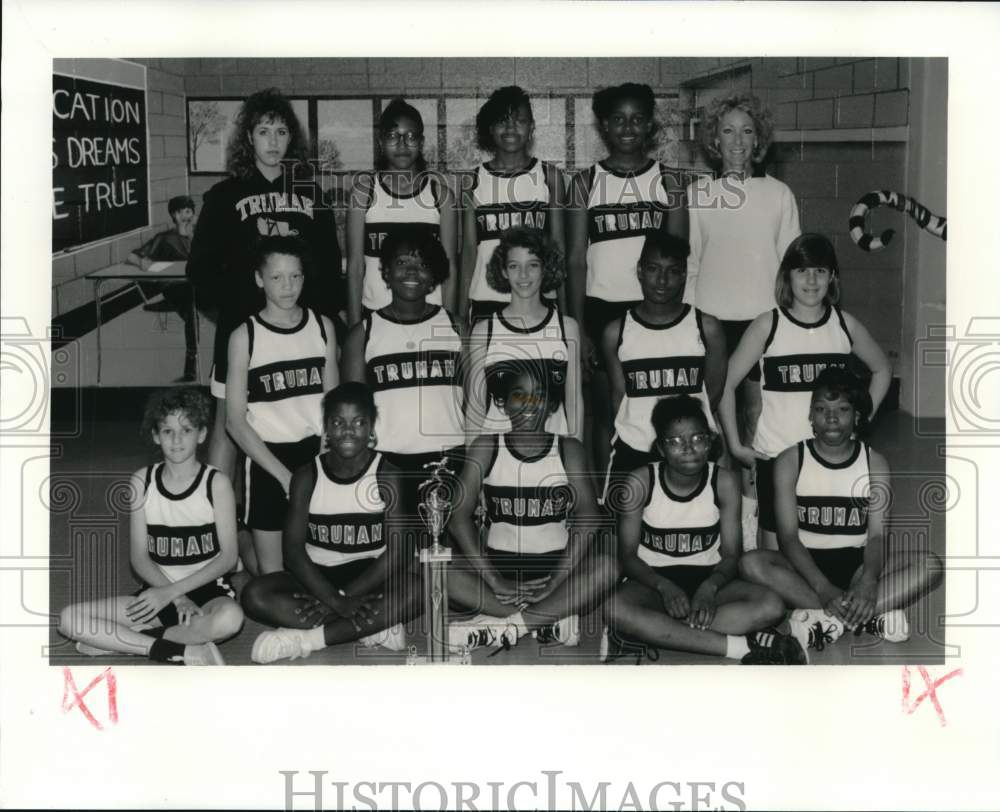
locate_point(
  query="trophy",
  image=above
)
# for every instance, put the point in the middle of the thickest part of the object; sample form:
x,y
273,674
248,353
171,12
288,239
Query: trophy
x,y
434,511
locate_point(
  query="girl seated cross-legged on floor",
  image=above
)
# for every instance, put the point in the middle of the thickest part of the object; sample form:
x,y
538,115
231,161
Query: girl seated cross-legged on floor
x,y
182,529
539,566
347,573
679,542
830,494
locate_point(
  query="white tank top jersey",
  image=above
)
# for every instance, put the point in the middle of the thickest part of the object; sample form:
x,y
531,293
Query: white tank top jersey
x,y
681,530
545,342
794,355
527,500
504,201
651,374
832,499
413,368
180,527
622,208
346,516
387,212
285,378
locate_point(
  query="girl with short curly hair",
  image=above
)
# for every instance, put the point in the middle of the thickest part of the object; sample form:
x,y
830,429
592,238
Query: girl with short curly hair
x,y
526,263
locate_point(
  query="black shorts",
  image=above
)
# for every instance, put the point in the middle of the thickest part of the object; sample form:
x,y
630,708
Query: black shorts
x,y
597,313
483,310
414,475
520,567
764,482
219,588
839,564
624,459
734,330
343,574
265,499
686,577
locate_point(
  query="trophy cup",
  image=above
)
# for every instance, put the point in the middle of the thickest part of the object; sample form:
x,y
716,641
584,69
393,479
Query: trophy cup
x,y
434,511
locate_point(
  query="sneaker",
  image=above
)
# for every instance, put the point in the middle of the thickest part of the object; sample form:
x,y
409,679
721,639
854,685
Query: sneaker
x,y
280,644
893,627
480,632
615,647
204,654
393,638
770,647
565,631
814,629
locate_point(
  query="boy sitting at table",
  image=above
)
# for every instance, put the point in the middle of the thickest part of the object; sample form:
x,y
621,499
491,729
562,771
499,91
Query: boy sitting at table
x,y
172,245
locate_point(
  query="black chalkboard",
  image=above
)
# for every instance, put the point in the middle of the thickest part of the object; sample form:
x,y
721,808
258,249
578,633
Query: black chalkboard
x,y
100,157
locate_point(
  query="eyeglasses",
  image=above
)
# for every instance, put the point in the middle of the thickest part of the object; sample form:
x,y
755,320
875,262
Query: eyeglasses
x,y
411,139
699,442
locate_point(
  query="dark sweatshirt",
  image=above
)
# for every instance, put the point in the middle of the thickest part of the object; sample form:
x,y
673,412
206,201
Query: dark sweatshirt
x,y
235,214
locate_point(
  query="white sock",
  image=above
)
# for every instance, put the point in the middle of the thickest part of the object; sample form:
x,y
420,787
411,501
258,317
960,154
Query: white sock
x,y
517,621
315,639
737,646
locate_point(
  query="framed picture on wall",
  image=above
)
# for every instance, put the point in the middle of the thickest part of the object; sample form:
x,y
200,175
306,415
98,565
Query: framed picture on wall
x,y
209,125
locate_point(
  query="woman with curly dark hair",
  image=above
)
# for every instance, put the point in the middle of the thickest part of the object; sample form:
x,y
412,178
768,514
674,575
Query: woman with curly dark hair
x,y
510,190
271,191
740,225
526,264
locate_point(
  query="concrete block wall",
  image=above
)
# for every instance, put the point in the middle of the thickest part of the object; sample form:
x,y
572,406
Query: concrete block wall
x,y
814,100
166,112
819,105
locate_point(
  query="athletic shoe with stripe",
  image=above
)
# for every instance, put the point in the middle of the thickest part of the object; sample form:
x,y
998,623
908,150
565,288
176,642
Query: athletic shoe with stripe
x,y
893,627
565,632
814,629
770,647
280,644
393,638
481,632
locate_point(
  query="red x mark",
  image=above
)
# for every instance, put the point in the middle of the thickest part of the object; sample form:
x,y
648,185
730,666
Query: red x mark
x,y
931,692
70,684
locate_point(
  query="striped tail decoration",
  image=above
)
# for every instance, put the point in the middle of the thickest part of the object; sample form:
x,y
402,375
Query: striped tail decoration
x,y
938,226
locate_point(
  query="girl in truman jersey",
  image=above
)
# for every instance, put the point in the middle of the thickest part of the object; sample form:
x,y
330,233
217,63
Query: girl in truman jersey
x,y
542,565
182,529
347,576
525,264
679,544
281,361
409,353
513,189
400,191
613,206
660,348
833,569
792,344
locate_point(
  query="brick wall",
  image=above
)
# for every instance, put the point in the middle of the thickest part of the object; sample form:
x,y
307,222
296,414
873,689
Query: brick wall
x,y
168,177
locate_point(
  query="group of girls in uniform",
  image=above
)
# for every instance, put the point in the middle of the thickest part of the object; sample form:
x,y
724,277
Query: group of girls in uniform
x,y
658,301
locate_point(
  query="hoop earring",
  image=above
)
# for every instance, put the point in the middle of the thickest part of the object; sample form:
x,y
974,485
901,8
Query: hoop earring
x,y
372,440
